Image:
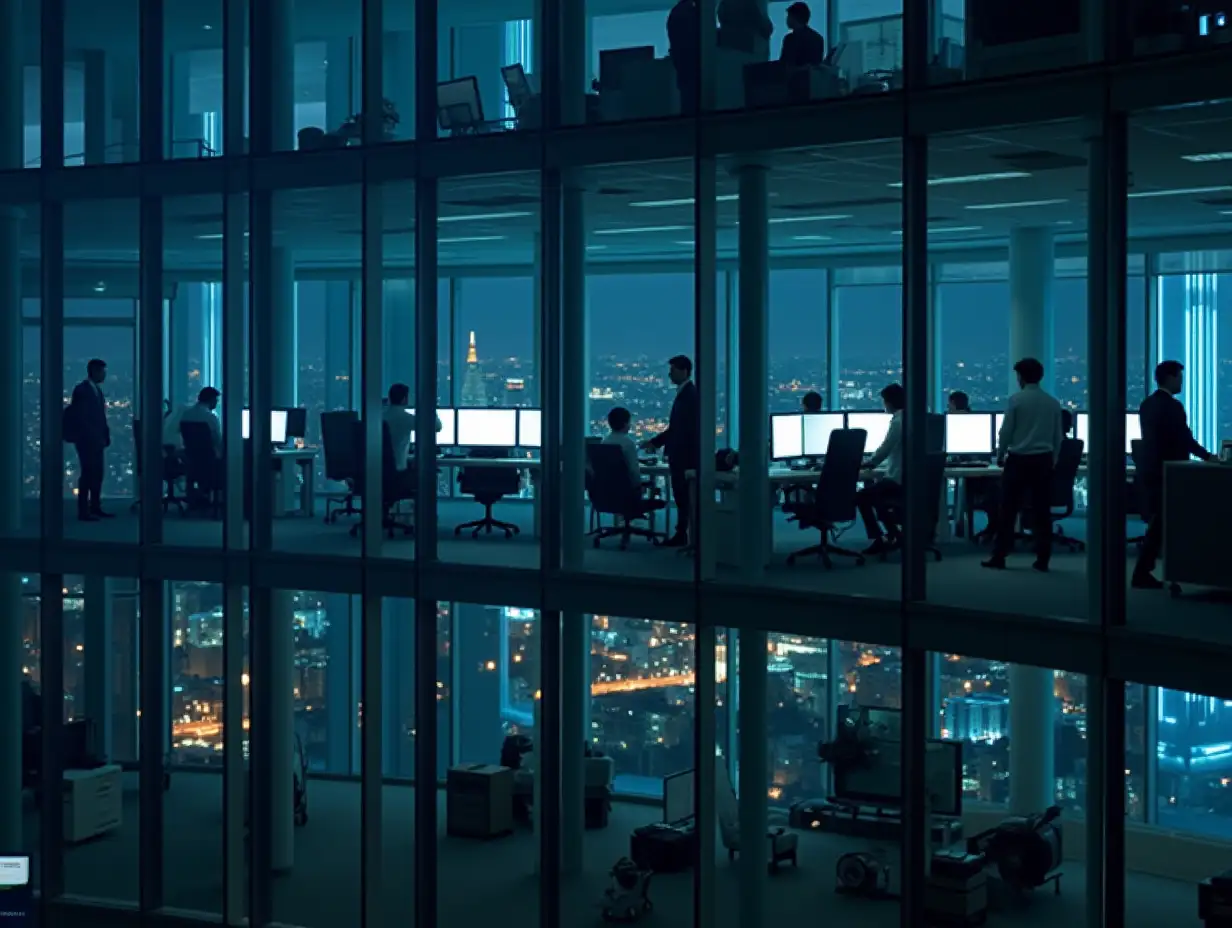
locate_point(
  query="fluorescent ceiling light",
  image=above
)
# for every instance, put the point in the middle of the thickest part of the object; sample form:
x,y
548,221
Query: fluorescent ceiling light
x,y
477,217
595,247
944,230
467,239
1021,204
685,201
1209,156
213,236
690,244
811,238
970,178
832,218
1179,192
640,229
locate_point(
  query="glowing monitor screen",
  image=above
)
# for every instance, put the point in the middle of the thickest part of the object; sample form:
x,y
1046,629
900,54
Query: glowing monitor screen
x,y
488,428
278,426
530,428
1082,430
968,433
1133,431
876,424
817,430
786,436
446,434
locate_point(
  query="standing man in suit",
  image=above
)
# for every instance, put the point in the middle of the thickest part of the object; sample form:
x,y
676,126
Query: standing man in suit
x,y
682,442
90,435
1166,436
684,48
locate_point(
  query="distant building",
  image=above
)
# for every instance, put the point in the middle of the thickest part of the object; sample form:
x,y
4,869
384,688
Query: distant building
x,y
473,391
982,717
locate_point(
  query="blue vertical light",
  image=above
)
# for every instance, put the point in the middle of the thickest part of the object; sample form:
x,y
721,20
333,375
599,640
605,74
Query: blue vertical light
x,y
519,49
211,134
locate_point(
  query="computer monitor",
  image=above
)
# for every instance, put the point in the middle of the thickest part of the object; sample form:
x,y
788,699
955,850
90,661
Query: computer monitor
x,y
488,428
297,421
876,424
1082,430
446,434
278,426
530,428
786,436
880,782
818,427
968,433
678,797
459,107
1133,431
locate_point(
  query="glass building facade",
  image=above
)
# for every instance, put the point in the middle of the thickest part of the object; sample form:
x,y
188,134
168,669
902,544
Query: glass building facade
x,y
520,212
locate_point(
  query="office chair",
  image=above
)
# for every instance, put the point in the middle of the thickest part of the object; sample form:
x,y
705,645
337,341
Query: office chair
x,y
1064,476
396,485
173,470
834,500
611,493
1137,502
341,466
203,472
893,515
489,485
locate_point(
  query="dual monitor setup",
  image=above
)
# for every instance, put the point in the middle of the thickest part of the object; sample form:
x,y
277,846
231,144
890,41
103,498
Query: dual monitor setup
x,y
286,424
797,435
489,428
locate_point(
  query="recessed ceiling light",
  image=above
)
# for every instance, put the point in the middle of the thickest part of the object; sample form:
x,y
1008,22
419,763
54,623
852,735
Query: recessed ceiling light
x,y
468,239
1021,204
685,201
970,178
811,238
640,229
595,247
946,230
100,287
1209,156
831,218
213,236
476,217
1178,192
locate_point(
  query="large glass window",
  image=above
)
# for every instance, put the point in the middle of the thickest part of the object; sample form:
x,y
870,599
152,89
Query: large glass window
x,y
495,347
870,339
1194,772
972,332
798,337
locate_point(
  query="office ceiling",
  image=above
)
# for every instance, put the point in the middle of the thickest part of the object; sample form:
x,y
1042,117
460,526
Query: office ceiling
x,y
833,200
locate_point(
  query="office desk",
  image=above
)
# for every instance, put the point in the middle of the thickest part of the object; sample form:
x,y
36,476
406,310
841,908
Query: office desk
x,y
1197,515
305,459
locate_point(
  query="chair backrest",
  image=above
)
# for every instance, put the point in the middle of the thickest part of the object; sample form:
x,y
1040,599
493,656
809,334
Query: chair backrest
x,y
1065,474
337,444
840,475
489,482
607,480
199,459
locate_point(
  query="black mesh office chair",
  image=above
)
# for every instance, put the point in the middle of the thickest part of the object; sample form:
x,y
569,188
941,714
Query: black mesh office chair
x,y
893,514
834,501
396,485
341,465
173,470
203,471
489,485
612,493
1064,476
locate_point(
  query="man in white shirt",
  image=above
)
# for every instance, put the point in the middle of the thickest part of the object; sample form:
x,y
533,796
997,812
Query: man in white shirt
x,y
618,421
1029,444
401,423
202,411
889,488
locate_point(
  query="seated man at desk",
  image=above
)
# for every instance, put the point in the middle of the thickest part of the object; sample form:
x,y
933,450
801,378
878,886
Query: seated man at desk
x,y
958,402
1166,436
877,493
618,420
803,46
204,410
811,402
401,422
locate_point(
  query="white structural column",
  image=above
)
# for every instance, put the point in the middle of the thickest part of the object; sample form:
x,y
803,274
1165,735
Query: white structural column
x,y
1031,274
1031,698
1032,730
575,384
11,439
754,777
574,718
111,110
754,286
282,737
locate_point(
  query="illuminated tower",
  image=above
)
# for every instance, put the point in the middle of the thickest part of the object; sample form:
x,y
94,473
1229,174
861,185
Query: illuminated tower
x,y
473,392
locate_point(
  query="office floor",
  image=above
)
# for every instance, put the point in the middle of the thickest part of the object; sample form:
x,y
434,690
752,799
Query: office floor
x,y
493,882
957,580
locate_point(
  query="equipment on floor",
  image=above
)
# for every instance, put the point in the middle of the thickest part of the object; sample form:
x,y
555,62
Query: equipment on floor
x,y
863,873
628,897
663,848
956,894
1026,850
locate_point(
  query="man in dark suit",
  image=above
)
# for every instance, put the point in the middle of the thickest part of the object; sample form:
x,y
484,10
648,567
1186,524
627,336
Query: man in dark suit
x,y
682,442
684,48
90,435
1165,437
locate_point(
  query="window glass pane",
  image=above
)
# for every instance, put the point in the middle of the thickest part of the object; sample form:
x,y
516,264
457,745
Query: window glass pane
x,y
797,337
973,336
870,354
497,365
